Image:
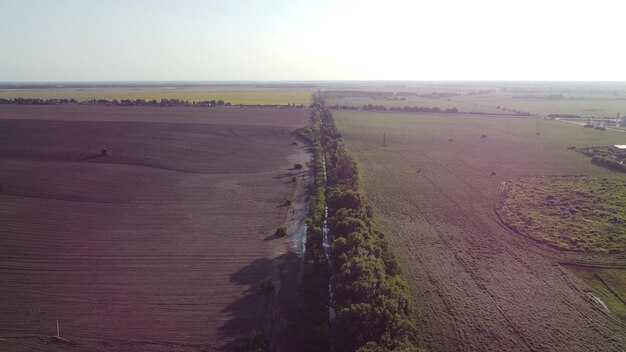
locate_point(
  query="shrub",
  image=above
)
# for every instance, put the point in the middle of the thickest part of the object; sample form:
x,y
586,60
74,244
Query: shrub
x,y
281,231
297,166
293,179
288,202
107,152
294,143
608,163
256,342
266,285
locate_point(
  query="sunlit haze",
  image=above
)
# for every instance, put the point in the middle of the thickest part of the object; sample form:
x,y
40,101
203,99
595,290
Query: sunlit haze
x,y
313,40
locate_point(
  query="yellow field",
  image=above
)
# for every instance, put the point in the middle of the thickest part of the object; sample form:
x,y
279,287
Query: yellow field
x,y
234,95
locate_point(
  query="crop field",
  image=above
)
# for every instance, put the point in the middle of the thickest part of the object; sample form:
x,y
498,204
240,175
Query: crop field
x,y
236,95
160,245
585,100
477,285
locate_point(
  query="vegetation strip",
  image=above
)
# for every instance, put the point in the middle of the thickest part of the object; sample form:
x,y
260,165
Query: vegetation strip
x,y
371,297
569,212
138,102
311,331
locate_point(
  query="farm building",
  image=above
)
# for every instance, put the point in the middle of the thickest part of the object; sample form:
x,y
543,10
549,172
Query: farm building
x,y
619,150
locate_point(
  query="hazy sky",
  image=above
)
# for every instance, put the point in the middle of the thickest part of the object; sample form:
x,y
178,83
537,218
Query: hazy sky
x,y
312,40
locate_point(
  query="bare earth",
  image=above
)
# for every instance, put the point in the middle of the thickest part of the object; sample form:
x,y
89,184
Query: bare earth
x,y
477,285
159,247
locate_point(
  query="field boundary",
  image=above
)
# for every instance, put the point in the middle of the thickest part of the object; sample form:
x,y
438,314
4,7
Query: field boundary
x,y
371,296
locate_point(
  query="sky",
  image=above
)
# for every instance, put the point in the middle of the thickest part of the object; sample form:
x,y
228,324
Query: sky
x,y
214,40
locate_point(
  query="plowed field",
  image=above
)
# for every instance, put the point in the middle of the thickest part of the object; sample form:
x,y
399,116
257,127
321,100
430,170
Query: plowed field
x,y
158,247
479,286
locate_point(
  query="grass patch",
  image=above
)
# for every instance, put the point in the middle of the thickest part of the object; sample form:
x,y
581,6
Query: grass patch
x,y
281,231
570,212
608,284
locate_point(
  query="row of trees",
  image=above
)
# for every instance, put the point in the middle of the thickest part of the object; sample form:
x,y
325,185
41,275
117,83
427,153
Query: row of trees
x,y
115,102
371,297
138,102
420,109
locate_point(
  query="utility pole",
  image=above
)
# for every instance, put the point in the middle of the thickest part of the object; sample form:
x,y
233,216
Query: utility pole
x,y
538,126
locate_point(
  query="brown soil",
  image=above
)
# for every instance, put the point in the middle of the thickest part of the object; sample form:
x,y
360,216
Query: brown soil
x,y
158,247
477,285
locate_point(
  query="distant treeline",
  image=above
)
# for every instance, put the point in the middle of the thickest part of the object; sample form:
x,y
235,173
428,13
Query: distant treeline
x,y
544,97
370,295
420,109
563,116
137,102
398,95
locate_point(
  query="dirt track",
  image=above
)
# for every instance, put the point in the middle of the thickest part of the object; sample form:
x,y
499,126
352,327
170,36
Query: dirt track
x,y
477,285
156,248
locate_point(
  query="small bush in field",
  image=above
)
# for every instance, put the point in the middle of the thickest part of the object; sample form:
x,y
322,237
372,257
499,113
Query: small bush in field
x,y
256,342
266,285
297,166
281,231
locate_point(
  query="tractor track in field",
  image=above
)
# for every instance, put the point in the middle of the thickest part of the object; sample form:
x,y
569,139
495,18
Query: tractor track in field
x,y
465,265
477,285
160,246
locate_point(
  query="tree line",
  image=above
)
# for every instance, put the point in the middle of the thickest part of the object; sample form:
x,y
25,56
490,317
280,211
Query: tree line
x,y
371,296
422,110
383,108
139,102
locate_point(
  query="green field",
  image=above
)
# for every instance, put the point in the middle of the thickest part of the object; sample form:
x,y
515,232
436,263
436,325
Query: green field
x,y
575,213
235,95
537,98
608,284
582,104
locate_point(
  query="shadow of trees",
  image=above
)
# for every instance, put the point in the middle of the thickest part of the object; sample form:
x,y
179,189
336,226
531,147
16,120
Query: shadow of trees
x,y
259,312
